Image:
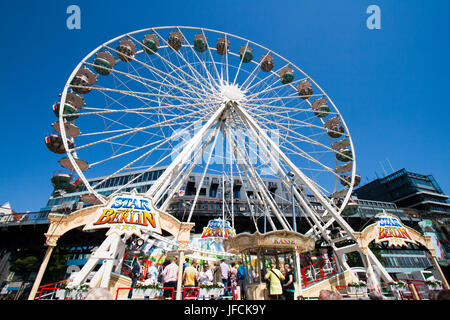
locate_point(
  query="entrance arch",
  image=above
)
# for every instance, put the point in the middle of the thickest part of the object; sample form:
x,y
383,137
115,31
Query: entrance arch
x,y
113,245
378,233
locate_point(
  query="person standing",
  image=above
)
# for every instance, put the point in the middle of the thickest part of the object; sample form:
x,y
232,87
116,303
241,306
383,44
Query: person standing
x,y
153,274
225,269
169,276
190,276
134,274
205,277
241,271
217,274
288,285
233,276
275,277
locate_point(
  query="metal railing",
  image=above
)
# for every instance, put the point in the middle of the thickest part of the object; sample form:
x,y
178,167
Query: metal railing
x,y
318,271
24,218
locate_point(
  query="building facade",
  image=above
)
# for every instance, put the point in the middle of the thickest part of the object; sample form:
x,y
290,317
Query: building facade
x,y
408,190
210,205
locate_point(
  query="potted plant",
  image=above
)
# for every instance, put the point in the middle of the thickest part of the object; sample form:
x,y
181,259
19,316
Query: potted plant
x,y
357,287
138,291
209,289
433,284
397,285
152,290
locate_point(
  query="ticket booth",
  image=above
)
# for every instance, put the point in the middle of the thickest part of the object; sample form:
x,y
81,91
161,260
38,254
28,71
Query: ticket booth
x,y
258,251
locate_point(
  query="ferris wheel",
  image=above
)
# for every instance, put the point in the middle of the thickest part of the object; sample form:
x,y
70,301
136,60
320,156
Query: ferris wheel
x,y
205,101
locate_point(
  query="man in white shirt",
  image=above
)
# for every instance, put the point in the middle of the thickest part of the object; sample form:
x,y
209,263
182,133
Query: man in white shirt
x,y
205,276
170,276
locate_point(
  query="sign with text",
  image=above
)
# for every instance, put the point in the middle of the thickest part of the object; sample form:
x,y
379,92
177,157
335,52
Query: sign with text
x,y
389,228
127,214
217,229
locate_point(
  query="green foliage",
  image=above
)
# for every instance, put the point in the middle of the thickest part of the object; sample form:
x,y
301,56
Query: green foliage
x,y
354,259
22,267
360,284
155,286
57,265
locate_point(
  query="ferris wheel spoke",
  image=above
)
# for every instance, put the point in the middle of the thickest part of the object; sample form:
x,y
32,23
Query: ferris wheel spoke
x,y
134,161
254,106
300,122
249,77
270,88
140,95
145,81
271,73
130,132
202,62
98,110
159,72
240,64
213,62
176,68
305,139
195,74
308,157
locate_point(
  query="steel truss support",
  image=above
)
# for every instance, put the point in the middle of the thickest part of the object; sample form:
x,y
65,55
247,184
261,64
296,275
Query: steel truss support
x,y
268,144
110,251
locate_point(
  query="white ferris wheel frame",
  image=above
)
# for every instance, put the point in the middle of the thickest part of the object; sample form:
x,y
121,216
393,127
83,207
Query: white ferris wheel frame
x,y
160,187
70,155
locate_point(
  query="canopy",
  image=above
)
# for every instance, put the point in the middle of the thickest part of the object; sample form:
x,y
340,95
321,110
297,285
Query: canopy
x,y
278,241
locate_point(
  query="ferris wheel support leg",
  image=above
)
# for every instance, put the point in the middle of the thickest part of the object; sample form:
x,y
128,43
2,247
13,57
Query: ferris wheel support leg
x,y
368,266
383,273
158,188
260,186
107,251
297,173
184,176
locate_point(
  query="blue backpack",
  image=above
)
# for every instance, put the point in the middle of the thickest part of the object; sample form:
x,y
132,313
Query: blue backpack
x,y
241,272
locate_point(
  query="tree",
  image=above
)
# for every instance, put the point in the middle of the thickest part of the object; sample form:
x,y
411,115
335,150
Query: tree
x,y
23,267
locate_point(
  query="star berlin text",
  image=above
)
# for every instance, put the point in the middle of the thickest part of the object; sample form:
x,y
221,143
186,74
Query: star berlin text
x,y
142,218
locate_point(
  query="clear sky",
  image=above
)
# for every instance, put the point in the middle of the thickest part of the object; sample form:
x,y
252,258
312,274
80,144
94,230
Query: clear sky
x,y
390,85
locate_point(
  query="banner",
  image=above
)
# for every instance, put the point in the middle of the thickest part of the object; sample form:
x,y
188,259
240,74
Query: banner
x,y
390,229
217,229
127,214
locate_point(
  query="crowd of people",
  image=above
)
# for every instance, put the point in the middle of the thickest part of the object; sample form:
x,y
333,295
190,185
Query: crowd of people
x,y
280,281
228,275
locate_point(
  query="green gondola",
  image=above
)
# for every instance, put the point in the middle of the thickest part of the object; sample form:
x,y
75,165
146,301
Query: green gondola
x,y
344,155
150,44
70,112
246,53
200,43
102,66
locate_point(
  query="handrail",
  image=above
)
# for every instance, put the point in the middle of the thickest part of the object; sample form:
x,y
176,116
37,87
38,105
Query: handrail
x,y
323,273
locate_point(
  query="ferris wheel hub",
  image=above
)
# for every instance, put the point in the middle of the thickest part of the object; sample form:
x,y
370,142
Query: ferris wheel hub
x,y
231,93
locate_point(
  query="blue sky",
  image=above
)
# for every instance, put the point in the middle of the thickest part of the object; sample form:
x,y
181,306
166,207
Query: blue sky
x,y
390,85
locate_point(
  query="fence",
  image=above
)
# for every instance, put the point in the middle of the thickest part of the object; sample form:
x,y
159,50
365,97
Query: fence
x,y
318,271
